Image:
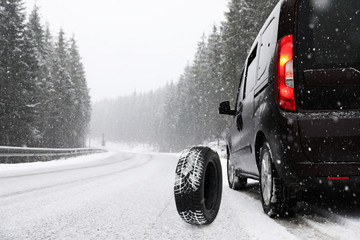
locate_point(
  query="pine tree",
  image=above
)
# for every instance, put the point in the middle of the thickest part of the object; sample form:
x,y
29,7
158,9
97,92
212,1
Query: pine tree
x,y
169,118
18,67
35,34
234,51
186,98
198,92
215,123
81,99
51,136
63,114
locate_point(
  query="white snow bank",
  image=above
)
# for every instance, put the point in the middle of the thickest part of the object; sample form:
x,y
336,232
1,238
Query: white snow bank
x,y
54,163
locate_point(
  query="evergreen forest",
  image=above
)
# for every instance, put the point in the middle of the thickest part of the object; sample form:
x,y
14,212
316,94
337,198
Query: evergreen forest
x,y
185,113
44,98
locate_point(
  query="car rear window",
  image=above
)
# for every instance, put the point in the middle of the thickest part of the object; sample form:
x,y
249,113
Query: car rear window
x,y
327,54
329,33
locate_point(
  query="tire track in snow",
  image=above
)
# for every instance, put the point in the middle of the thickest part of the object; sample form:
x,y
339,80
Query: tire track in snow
x,y
315,221
303,228
326,224
311,222
243,212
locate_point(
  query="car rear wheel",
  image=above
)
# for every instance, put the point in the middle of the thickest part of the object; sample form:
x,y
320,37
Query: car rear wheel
x,y
198,185
276,197
235,182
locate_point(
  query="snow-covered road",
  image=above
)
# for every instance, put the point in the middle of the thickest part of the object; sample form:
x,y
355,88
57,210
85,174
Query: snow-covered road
x,y
124,195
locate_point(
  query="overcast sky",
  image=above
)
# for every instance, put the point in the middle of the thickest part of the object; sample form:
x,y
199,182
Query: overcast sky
x,y
129,45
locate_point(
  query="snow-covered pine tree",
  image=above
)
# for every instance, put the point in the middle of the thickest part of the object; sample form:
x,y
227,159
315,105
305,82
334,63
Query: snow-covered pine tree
x,y
65,95
18,67
81,101
215,95
35,34
50,135
157,101
199,92
186,98
234,46
168,124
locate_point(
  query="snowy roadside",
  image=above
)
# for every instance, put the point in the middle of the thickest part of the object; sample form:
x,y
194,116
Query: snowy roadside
x,y
4,168
112,149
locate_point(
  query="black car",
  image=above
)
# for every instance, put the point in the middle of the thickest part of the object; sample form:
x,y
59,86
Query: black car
x,y
296,121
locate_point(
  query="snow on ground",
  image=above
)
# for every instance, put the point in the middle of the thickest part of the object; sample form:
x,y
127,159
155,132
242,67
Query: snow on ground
x,y
129,195
55,163
111,148
125,147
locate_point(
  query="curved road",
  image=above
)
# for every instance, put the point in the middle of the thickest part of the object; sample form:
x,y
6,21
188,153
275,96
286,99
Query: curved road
x,y
130,196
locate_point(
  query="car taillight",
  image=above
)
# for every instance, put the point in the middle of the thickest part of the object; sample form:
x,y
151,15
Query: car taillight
x,y
284,82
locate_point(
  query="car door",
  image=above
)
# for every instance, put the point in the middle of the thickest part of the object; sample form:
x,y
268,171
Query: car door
x,y
245,116
235,132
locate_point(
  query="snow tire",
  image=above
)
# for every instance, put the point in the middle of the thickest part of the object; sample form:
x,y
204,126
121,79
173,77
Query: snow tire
x,y
276,197
198,185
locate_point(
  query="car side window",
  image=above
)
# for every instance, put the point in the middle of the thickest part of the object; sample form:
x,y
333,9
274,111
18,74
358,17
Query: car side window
x,y
240,92
250,78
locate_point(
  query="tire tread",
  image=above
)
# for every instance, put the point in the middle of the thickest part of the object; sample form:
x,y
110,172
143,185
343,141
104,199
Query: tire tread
x,y
188,177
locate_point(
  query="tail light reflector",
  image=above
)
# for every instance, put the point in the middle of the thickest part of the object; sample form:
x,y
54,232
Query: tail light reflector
x,y
338,178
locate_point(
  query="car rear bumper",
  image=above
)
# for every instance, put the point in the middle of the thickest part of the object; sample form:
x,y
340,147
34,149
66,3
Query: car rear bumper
x,y
352,184
292,162
330,169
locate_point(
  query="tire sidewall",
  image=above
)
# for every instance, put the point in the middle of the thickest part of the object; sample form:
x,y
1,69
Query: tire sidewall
x,y
282,201
211,158
228,168
266,207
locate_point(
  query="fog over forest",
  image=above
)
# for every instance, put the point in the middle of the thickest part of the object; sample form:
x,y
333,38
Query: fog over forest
x,y
185,112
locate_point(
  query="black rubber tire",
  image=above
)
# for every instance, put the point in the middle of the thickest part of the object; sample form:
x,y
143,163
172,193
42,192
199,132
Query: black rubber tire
x,y
235,182
198,185
281,202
